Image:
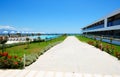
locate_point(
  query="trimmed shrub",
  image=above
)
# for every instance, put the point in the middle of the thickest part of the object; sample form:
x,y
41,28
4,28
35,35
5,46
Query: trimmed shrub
x,y
29,59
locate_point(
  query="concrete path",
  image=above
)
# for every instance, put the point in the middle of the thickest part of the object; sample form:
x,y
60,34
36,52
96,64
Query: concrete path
x,y
75,56
29,73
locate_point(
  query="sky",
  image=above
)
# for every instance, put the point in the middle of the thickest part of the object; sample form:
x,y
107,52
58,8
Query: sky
x,y
53,16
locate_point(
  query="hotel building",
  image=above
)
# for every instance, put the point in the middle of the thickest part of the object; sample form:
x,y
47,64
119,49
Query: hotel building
x,y
106,26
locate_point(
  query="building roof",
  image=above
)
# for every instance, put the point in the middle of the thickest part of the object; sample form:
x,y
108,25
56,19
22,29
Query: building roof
x,y
107,16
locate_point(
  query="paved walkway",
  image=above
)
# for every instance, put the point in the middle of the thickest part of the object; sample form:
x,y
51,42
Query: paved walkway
x,y
75,56
28,73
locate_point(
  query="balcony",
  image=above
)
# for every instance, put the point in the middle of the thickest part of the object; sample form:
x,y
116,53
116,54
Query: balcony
x,y
113,23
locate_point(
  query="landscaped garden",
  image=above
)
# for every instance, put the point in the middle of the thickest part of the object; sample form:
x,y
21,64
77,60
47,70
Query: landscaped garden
x,y
13,55
107,47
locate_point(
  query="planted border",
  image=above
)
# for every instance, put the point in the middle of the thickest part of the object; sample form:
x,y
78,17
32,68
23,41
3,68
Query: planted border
x,y
33,57
111,49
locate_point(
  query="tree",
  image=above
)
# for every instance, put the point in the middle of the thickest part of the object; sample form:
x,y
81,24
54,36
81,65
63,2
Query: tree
x,y
19,34
3,40
38,34
32,34
27,39
39,39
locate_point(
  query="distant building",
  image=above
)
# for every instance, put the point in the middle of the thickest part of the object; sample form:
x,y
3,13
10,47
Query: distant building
x,y
106,26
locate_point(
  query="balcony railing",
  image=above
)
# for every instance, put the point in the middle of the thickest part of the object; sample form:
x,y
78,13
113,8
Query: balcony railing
x,y
95,27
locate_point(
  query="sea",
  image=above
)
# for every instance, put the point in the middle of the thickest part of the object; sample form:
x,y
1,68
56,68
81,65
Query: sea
x,y
45,36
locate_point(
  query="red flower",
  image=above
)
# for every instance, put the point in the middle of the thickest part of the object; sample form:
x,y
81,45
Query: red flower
x,y
9,57
16,63
15,57
5,54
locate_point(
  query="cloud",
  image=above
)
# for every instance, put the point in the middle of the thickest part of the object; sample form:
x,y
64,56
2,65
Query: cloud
x,y
14,28
8,27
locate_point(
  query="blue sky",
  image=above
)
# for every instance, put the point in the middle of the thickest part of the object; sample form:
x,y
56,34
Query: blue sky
x,y
53,16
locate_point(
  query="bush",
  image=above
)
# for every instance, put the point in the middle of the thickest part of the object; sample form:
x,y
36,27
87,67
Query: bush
x,y
117,54
101,47
90,42
96,44
10,62
109,49
29,59
38,40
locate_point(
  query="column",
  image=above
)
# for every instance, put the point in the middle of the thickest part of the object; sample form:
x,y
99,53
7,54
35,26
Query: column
x,y
105,22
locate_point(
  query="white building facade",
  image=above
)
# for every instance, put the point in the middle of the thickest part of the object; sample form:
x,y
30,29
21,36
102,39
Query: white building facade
x,y
108,26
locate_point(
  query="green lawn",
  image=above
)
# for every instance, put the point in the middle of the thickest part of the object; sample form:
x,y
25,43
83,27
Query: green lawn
x,y
34,47
34,51
84,39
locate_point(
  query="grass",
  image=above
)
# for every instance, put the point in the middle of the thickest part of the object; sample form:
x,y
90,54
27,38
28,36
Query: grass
x,y
84,39
33,47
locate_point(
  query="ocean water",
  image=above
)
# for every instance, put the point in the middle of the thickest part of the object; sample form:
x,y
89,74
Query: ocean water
x,y
45,36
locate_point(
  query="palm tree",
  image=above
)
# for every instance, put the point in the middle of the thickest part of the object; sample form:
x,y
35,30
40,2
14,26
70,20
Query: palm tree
x,y
3,40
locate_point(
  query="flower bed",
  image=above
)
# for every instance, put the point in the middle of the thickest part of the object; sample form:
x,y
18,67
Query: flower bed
x,y
107,48
117,54
10,62
112,49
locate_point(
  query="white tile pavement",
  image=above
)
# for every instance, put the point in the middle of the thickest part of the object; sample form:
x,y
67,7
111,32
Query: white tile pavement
x,y
30,73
